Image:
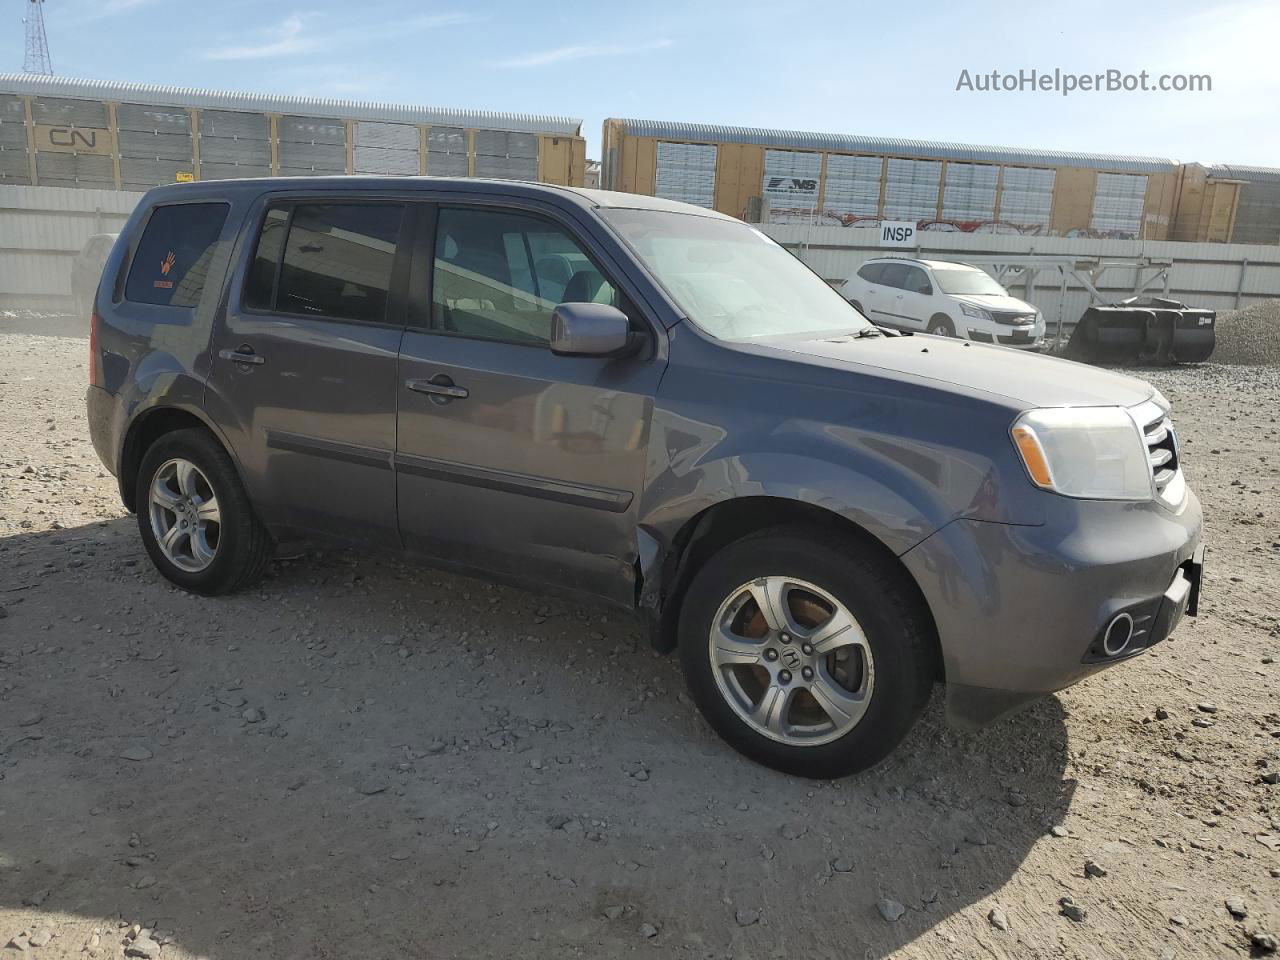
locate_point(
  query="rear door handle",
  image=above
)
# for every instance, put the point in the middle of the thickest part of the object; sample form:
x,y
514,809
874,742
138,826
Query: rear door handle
x,y
241,354
441,388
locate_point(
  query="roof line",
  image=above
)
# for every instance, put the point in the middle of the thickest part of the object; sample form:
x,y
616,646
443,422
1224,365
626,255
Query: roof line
x,y
1240,171
171,96
890,146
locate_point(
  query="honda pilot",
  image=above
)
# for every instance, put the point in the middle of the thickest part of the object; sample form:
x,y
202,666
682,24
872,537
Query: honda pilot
x,y
649,404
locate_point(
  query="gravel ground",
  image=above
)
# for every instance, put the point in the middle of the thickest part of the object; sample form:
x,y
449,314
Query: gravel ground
x,y
368,759
1251,335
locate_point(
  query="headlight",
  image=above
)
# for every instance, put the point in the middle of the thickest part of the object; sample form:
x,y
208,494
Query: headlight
x,y
969,310
1094,453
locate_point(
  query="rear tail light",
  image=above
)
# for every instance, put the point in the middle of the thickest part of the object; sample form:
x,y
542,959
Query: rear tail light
x,y
94,320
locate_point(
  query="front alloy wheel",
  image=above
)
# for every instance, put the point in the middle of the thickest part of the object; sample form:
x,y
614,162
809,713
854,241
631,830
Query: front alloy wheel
x,y
808,651
791,661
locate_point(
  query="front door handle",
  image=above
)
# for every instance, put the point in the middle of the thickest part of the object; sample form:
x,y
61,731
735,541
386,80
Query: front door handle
x,y
241,354
441,387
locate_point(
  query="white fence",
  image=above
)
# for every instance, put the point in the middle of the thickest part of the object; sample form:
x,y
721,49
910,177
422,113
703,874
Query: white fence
x,y
1217,276
41,231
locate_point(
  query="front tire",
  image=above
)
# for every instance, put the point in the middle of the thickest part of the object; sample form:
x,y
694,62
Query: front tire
x,y
805,653
195,518
941,326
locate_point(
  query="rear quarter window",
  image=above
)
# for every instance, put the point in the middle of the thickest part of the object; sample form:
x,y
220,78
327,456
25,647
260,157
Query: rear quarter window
x,y
172,260
871,272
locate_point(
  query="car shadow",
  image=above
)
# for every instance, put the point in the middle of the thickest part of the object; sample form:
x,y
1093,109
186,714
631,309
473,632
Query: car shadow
x,y
367,758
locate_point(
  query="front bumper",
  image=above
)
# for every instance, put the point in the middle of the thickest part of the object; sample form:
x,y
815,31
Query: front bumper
x,y
1021,610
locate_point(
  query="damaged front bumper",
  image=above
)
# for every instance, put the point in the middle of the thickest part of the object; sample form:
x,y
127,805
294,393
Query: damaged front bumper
x,y
1022,611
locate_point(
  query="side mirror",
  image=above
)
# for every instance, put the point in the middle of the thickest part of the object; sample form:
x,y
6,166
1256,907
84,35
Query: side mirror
x,y
590,330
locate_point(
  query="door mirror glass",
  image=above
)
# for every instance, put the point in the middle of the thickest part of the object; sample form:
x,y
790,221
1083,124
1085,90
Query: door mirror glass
x,y
590,330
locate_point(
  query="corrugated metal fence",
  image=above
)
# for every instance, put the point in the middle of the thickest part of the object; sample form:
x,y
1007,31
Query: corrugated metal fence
x,y
1219,276
42,229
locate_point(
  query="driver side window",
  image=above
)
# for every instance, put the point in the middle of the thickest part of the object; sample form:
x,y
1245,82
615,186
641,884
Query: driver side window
x,y
917,281
499,275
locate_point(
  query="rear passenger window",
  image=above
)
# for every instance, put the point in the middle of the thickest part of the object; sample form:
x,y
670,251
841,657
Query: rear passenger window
x,y
871,272
894,275
499,276
172,259
326,260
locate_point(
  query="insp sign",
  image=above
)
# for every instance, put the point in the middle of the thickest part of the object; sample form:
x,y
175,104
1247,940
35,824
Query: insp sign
x,y
897,233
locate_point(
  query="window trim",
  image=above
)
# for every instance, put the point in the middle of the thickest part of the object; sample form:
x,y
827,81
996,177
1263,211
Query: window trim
x,y
396,293
421,293
121,285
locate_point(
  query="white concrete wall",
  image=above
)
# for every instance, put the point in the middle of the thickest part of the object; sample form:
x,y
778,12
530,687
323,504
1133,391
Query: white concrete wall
x,y
41,231
1218,276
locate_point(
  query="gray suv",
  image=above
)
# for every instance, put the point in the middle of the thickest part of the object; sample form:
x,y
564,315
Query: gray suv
x,y
646,403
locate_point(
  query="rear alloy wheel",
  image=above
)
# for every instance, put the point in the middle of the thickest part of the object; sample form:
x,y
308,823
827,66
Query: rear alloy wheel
x,y
806,652
195,518
185,517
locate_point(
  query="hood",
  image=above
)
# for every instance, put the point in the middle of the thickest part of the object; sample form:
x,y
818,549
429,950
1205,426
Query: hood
x,y
1029,378
993,301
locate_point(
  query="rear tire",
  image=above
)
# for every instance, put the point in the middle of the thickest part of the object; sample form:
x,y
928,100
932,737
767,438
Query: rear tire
x,y
195,518
857,306
941,326
825,709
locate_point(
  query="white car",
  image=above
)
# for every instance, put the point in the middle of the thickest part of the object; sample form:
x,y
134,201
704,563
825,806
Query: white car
x,y
945,298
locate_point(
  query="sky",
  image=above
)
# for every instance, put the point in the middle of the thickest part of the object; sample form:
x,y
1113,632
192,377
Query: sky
x,y
882,69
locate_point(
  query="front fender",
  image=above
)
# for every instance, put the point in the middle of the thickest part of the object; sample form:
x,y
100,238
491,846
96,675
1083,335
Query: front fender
x,y
898,485
899,515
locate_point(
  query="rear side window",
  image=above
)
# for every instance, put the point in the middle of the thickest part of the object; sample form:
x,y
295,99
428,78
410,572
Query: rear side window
x,y
172,259
871,272
331,260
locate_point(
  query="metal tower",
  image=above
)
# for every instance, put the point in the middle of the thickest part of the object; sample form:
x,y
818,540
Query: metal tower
x,y
37,57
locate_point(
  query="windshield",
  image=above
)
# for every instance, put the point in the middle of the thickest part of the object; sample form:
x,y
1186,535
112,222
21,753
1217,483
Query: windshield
x,y
967,281
730,279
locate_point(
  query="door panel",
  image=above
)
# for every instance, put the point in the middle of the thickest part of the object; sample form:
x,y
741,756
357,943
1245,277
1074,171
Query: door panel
x,y
914,303
535,473
307,371
895,305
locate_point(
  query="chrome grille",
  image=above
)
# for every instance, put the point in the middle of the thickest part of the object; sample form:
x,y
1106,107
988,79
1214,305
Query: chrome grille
x,y
1012,316
1162,450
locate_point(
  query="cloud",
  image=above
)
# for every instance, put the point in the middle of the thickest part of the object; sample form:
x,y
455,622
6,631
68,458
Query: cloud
x,y
544,58
284,39
332,80
112,8
294,34
430,21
